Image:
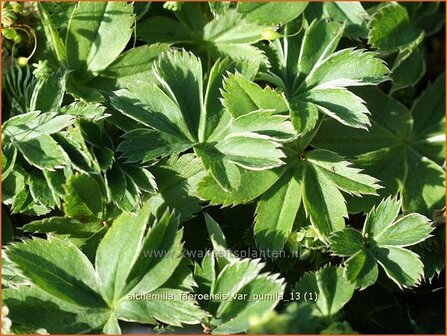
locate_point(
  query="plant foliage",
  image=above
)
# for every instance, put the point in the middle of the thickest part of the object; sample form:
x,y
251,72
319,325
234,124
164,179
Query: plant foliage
x,y
225,167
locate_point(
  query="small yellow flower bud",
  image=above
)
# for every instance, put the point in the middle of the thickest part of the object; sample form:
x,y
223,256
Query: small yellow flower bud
x,y
22,61
270,35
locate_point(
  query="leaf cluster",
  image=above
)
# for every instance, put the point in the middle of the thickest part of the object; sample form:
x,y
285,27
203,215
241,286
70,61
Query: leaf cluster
x,y
312,133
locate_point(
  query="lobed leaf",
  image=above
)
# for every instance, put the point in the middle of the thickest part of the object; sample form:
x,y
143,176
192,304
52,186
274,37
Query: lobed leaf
x,y
390,29
58,268
331,286
33,125
96,35
118,251
270,13
276,212
348,67
83,198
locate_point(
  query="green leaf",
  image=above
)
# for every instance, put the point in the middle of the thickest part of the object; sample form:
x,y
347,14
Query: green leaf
x,y
11,276
428,17
220,251
283,55
219,8
348,67
21,197
18,88
49,93
352,14
324,204
304,116
32,125
133,65
342,105
141,177
112,326
7,228
104,156
226,35
83,198
22,201
9,156
347,178
431,255
42,152
61,227
382,226
276,211
429,117
85,110
182,278
97,33
255,184
177,179
84,92
333,289
408,230
135,146
408,69
44,263
415,195
232,36
39,189
285,322
163,29
55,180
176,121
56,43
383,216
131,199
59,12
401,155
251,151
180,74
155,109
242,96
117,252
362,269
132,262
80,157
390,29
389,120
402,266
34,308
304,65
160,255
382,241
214,114
271,13
216,234
225,173
262,294
241,277
12,185
237,291
346,242
171,306
319,41
264,123
205,274
145,263
222,31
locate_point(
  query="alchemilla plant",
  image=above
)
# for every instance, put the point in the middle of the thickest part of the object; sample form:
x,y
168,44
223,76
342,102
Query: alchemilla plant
x,y
223,167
